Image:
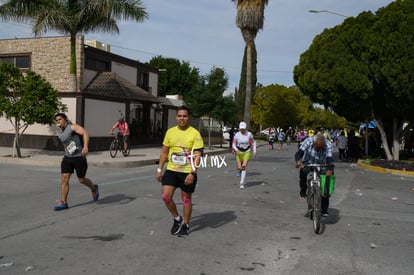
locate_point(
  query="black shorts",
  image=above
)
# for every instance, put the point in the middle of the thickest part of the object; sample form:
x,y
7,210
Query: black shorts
x,y
177,179
69,164
125,138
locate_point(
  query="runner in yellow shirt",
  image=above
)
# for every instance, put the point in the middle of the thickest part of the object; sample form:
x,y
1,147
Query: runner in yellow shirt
x,y
182,148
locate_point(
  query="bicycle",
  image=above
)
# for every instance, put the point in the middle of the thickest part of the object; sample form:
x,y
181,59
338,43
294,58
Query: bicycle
x,y
118,145
313,194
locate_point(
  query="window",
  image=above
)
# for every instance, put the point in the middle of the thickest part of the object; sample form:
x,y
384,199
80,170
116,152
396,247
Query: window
x,y
143,80
96,65
20,61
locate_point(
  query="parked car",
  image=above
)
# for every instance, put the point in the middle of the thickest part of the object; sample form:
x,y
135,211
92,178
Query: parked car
x,y
265,132
226,133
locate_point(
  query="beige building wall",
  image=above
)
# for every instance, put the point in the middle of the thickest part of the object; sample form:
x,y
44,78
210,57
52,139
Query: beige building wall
x,y
50,57
40,129
127,72
101,115
153,82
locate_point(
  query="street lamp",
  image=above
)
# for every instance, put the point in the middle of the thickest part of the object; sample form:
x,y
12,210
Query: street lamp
x,y
331,12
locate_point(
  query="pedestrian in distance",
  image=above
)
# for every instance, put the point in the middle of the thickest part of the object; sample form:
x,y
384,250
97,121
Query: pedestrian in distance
x,y
342,145
232,132
289,135
280,138
182,148
243,144
314,150
301,136
271,138
75,140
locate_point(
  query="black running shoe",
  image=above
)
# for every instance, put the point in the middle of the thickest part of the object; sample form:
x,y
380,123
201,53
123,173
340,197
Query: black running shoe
x,y
184,230
176,226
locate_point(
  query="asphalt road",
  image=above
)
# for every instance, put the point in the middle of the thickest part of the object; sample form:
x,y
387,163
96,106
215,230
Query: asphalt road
x,y
259,230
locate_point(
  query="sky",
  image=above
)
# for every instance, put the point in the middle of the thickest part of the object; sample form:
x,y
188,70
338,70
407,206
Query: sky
x,y
204,33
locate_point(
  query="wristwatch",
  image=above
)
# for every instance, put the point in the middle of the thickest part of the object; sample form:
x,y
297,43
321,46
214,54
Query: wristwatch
x,y
159,170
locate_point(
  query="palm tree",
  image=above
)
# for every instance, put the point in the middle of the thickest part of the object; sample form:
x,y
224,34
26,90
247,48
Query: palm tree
x,y
249,19
71,17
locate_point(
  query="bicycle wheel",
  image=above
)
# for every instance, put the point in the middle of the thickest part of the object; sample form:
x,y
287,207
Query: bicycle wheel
x,y
309,200
113,148
126,152
316,209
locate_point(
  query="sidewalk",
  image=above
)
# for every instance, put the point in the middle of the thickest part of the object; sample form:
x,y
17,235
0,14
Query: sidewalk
x,y
138,156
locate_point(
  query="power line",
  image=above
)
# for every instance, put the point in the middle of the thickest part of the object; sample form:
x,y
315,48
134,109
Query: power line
x,y
200,62
157,54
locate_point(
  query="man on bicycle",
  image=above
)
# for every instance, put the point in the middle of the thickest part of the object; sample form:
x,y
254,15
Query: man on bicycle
x,y
314,150
123,129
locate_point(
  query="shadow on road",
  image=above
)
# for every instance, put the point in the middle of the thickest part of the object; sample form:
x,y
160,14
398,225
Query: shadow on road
x,y
118,198
212,220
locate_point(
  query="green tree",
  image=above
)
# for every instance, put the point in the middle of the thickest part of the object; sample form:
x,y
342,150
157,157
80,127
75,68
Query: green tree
x,y
209,92
26,99
277,105
363,68
209,100
249,19
175,77
71,17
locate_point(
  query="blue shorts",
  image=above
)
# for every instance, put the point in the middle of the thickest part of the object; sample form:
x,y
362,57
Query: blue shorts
x,y
177,179
70,164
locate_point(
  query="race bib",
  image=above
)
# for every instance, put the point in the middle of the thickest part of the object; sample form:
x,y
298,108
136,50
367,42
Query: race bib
x,y
178,159
71,147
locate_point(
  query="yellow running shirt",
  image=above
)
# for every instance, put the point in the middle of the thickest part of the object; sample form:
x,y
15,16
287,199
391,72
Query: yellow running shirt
x,y
181,144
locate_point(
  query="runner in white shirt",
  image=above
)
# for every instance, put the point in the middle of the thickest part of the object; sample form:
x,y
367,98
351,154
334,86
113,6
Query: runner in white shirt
x,y
243,144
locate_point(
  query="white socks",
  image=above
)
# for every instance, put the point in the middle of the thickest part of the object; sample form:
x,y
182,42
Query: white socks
x,y
243,177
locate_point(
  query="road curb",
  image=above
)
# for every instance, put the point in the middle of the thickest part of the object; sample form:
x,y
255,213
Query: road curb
x,y
377,169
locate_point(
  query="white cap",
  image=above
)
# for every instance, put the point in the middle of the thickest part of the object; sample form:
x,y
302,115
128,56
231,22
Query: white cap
x,y
242,125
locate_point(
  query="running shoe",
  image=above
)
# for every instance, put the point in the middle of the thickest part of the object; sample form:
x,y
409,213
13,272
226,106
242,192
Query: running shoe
x,y
95,193
238,174
184,230
242,186
61,205
176,226
325,213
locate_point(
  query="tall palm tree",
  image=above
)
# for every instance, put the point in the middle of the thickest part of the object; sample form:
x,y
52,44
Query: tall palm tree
x,y
249,19
71,17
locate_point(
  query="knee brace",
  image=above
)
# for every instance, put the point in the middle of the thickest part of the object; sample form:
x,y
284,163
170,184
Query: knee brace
x,y
186,201
167,199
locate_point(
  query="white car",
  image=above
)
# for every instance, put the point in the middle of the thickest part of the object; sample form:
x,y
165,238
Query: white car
x,y
265,132
226,133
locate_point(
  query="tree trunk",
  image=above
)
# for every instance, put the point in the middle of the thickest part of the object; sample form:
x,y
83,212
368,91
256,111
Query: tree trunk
x,y
384,139
396,130
394,152
73,83
248,97
16,144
